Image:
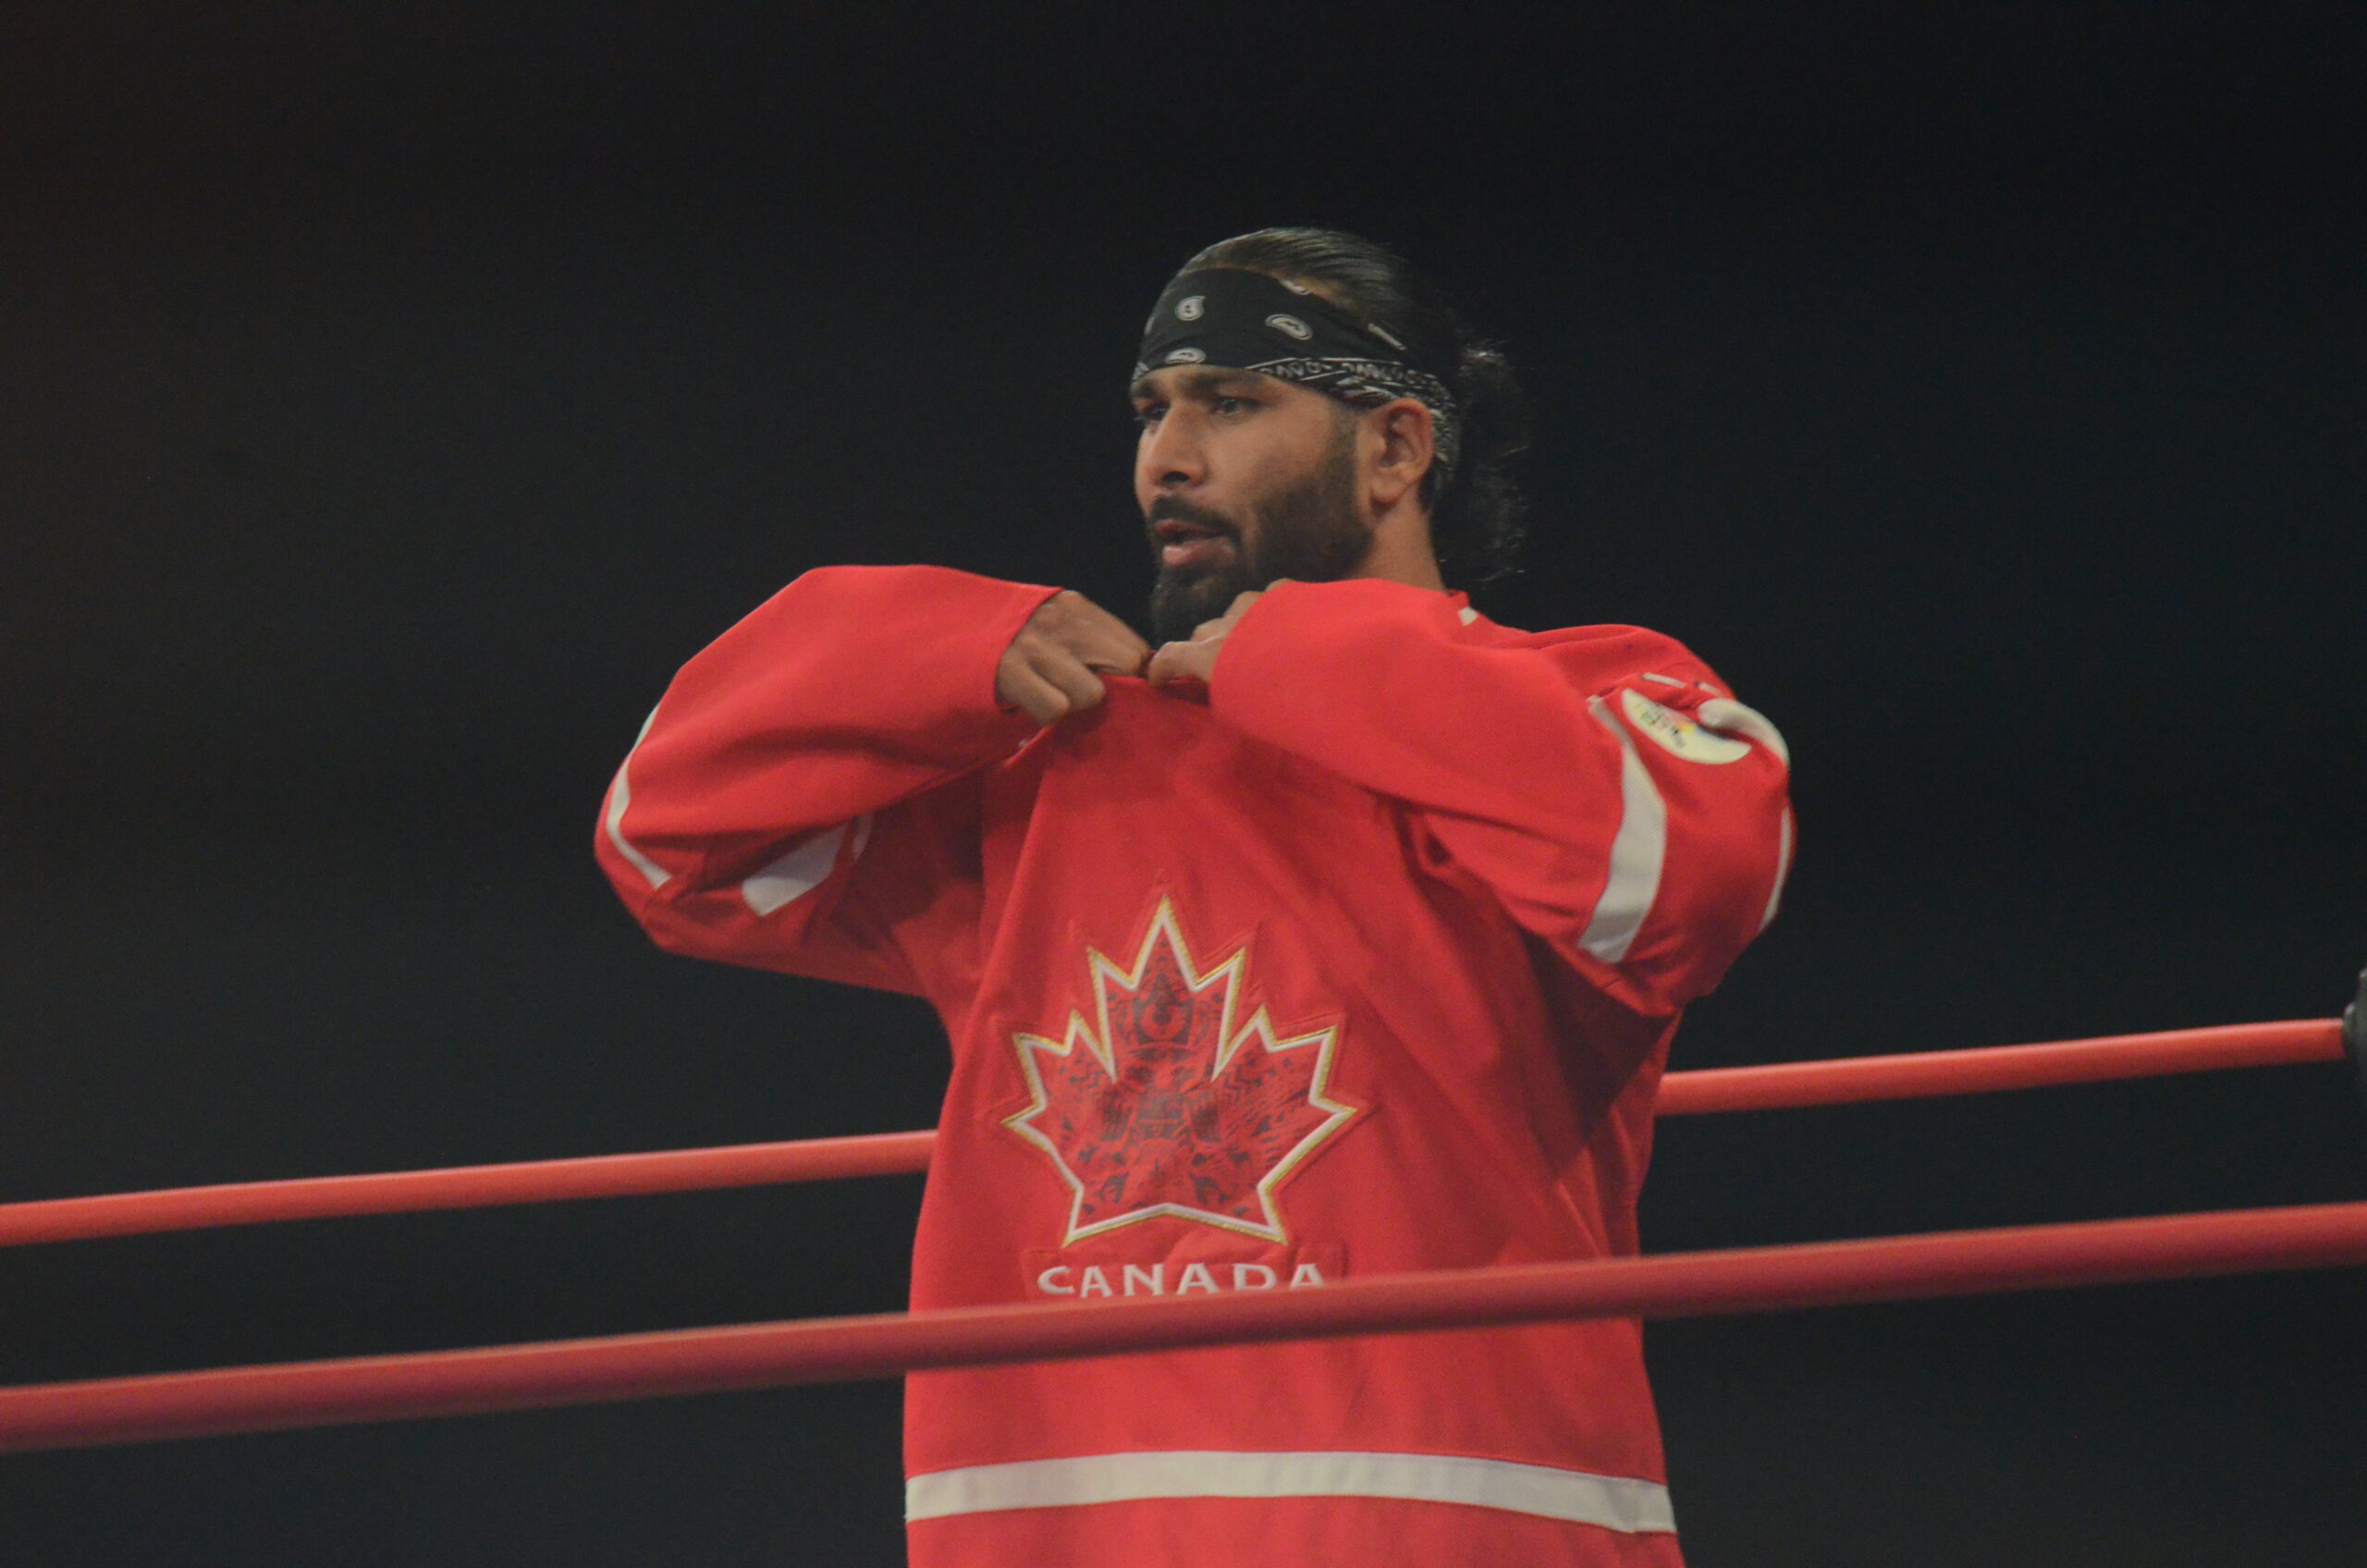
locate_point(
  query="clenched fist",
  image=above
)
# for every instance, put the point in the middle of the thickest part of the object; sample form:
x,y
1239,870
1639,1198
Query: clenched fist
x,y
1054,667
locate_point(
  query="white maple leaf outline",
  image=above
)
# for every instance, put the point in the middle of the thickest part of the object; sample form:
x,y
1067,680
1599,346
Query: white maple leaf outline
x,y
1229,973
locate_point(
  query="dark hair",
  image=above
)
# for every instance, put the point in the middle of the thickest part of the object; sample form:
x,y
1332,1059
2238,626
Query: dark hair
x,y
1476,517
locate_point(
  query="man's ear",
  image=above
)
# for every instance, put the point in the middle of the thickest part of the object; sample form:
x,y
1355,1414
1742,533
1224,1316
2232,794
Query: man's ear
x,y
1403,444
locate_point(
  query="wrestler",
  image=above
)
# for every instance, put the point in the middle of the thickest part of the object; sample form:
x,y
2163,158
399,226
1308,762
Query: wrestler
x,y
1344,933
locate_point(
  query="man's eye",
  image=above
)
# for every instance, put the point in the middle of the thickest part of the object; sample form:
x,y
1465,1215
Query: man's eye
x,y
1149,414
1228,405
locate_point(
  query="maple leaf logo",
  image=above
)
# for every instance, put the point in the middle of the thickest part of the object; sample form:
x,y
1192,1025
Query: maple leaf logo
x,y
1168,1108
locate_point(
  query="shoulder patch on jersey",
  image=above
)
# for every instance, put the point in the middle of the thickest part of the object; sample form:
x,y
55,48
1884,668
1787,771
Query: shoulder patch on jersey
x,y
1677,735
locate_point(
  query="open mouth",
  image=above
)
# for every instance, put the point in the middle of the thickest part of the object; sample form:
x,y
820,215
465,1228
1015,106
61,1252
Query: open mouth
x,y
1182,544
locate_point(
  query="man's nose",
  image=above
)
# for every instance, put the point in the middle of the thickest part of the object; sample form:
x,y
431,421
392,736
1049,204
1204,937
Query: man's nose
x,y
1171,457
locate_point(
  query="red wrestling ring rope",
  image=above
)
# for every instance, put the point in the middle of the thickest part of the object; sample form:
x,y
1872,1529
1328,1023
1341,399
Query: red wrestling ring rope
x,y
467,1186
260,1399
1919,1075
1788,1084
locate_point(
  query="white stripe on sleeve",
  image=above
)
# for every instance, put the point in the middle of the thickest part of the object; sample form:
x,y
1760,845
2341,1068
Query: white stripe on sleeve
x,y
1735,718
805,868
1637,852
619,797
1783,870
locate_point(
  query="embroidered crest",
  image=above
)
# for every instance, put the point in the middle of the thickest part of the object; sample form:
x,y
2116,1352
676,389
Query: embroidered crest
x,y
1678,735
1164,1104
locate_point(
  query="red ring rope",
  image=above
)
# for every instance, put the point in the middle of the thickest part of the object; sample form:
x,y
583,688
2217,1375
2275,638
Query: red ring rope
x,y
1918,1074
260,1399
1787,1084
468,1186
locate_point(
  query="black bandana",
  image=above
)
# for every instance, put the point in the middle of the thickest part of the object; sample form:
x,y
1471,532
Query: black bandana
x,y
1248,321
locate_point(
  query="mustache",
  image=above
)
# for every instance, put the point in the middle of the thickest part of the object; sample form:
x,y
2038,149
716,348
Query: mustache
x,y
1177,509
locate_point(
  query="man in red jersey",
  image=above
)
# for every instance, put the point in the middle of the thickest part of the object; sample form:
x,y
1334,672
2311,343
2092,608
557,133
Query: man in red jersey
x,y
1344,934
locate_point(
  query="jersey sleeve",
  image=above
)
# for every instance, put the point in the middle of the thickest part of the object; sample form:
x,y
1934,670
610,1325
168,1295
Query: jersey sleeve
x,y
1604,787
804,796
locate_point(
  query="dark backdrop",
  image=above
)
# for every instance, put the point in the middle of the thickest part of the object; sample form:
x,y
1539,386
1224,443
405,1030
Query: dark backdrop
x,y
391,398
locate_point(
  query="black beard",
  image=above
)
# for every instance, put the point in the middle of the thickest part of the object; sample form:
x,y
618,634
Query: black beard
x,y
1308,531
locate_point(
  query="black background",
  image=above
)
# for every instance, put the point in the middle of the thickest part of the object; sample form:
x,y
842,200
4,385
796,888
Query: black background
x,y
391,398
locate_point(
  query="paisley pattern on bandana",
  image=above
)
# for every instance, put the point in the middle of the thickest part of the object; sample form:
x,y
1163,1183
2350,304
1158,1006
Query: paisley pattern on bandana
x,y
1370,382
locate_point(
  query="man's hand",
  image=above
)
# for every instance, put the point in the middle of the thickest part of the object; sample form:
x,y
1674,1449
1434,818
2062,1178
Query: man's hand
x,y
1197,660
1054,667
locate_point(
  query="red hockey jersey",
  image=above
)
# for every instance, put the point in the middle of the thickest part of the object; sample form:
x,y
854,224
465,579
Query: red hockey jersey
x,y
1363,959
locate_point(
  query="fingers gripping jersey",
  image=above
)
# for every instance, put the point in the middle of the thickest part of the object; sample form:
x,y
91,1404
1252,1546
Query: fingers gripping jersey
x,y
1363,959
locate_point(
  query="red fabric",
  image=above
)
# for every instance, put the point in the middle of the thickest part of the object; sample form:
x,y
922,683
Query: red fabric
x,y
1283,979
1285,1532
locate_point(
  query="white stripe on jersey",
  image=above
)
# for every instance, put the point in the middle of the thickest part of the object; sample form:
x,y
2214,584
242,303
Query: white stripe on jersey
x,y
1783,870
1637,852
805,868
1724,713
1614,1502
619,797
